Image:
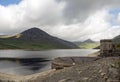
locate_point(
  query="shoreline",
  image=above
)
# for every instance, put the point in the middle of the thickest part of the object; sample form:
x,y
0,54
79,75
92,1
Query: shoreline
x,y
4,77
20,77
39,77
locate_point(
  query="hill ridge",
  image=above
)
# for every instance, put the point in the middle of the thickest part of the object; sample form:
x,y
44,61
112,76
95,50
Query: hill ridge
x,y
35,38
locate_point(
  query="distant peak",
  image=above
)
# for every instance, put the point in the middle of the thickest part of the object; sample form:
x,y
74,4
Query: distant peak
x,y
89,41
34,33
34,28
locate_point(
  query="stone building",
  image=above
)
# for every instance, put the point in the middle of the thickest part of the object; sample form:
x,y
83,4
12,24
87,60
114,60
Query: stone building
x,y
106,47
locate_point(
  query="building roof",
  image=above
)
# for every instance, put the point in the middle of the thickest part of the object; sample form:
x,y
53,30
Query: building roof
x,y
106,40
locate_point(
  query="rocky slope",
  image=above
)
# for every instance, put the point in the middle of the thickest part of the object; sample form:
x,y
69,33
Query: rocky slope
x,y
103,70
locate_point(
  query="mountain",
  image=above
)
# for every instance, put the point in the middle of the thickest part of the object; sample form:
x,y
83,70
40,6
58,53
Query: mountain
x,y
77,42
116,39
89,41
34,38
87,44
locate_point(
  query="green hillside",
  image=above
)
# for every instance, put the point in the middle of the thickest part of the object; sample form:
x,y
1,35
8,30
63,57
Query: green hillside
x,y
13,44
116,40
89,45
34,39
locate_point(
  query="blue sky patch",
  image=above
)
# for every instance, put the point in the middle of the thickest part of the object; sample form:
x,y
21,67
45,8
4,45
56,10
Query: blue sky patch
x,y
9,2
114,12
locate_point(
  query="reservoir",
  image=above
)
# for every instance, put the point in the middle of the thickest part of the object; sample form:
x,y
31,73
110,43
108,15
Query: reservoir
x,y
23,62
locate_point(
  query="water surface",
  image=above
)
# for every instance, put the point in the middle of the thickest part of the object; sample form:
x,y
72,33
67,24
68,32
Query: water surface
x,y
28,62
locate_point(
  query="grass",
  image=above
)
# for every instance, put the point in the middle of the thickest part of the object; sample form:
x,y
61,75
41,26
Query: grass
x,y
19,44
8,46
89,45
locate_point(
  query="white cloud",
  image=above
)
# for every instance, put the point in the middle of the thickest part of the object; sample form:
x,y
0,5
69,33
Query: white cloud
x,y
67,19
30,13
93,25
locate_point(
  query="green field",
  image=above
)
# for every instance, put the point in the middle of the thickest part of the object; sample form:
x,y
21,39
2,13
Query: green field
x,y
88,45
18,44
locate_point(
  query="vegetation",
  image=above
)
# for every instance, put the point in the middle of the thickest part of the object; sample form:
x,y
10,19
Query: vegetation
x,y
116,41
19,44
34,39
89,45
118,46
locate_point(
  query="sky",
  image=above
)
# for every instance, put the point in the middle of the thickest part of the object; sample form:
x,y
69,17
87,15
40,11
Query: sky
x,y
9,2
73,20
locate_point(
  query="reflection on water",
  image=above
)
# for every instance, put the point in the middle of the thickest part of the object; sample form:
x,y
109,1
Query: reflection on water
x,y
23,66
29,62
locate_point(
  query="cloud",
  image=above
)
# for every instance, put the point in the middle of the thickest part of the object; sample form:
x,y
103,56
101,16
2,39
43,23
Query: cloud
x,y
29,13
93,25
67,19
79,10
